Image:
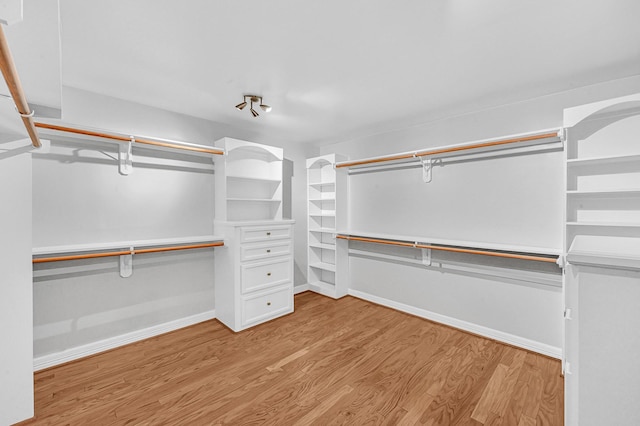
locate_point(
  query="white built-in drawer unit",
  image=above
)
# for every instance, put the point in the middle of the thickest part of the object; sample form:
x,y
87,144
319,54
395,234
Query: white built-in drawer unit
x,y
254,272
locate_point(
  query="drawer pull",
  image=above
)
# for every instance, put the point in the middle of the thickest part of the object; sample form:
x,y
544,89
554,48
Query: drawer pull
x,y
268,303
268,250
268,234
268,274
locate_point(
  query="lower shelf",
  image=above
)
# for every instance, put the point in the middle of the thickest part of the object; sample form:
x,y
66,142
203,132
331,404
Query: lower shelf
x,y
325,266
324,288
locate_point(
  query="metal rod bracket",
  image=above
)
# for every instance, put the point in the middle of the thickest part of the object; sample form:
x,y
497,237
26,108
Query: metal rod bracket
x,y
426,257
125,158
126,265
427,166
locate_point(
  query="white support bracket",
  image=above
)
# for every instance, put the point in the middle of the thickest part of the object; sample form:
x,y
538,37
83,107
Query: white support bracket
x,y
562,134
126,264
561,261
426,256
427,166
125,158
567,314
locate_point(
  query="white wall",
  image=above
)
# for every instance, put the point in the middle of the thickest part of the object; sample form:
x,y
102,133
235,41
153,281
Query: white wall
x,y
90,109
79,198
16,313
512,200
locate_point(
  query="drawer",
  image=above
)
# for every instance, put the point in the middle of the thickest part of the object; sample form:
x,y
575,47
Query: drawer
x,y
256,276
264,233
264,250
266,305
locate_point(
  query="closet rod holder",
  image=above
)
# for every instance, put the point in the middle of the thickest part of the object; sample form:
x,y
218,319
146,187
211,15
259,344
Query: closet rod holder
x,y
127,138
129,251
449,249
8,68
424,153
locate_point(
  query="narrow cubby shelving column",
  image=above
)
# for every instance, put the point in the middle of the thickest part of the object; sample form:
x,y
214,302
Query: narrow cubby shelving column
x,y
326,205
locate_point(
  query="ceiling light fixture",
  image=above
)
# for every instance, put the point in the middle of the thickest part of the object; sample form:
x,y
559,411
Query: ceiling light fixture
x,y
253,99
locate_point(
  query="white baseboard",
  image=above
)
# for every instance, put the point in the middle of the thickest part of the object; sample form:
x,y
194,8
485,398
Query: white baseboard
x,y
300,288
521,342
50,360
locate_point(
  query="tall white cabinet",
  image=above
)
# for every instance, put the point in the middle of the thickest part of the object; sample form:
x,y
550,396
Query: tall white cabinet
x,y
327,193
254,271
602,274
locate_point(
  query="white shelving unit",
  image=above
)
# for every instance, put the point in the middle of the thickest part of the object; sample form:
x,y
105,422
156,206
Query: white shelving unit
x,y
603,171
254,272
326,208
248,181
602,274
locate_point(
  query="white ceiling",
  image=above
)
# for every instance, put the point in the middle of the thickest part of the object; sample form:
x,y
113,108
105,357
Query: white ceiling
x,y
337,69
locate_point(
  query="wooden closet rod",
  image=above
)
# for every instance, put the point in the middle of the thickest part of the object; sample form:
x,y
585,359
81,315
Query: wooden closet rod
x,y
126,139
126,252
10,74
450,249
446,150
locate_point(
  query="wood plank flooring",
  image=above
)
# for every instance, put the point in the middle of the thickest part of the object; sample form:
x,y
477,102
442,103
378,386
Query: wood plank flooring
x,y
330,362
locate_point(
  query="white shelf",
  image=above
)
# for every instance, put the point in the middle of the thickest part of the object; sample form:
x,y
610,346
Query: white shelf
x,y
617,193
605,224
323,198
254,222
480,149
254,178
248,184
325,284
75,248
322,185
323,230
325,288
458,243
622,252
259,200
603,161
323,214
324,266
323,246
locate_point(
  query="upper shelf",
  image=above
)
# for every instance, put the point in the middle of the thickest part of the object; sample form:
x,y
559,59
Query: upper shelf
x,y
618,193
457,243
92,134
478,148
164,242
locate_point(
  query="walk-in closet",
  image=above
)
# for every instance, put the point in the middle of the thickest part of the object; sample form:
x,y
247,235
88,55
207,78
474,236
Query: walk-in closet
x,y
297,213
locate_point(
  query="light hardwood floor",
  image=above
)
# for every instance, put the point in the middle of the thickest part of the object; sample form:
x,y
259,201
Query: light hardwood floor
x,y
330,362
